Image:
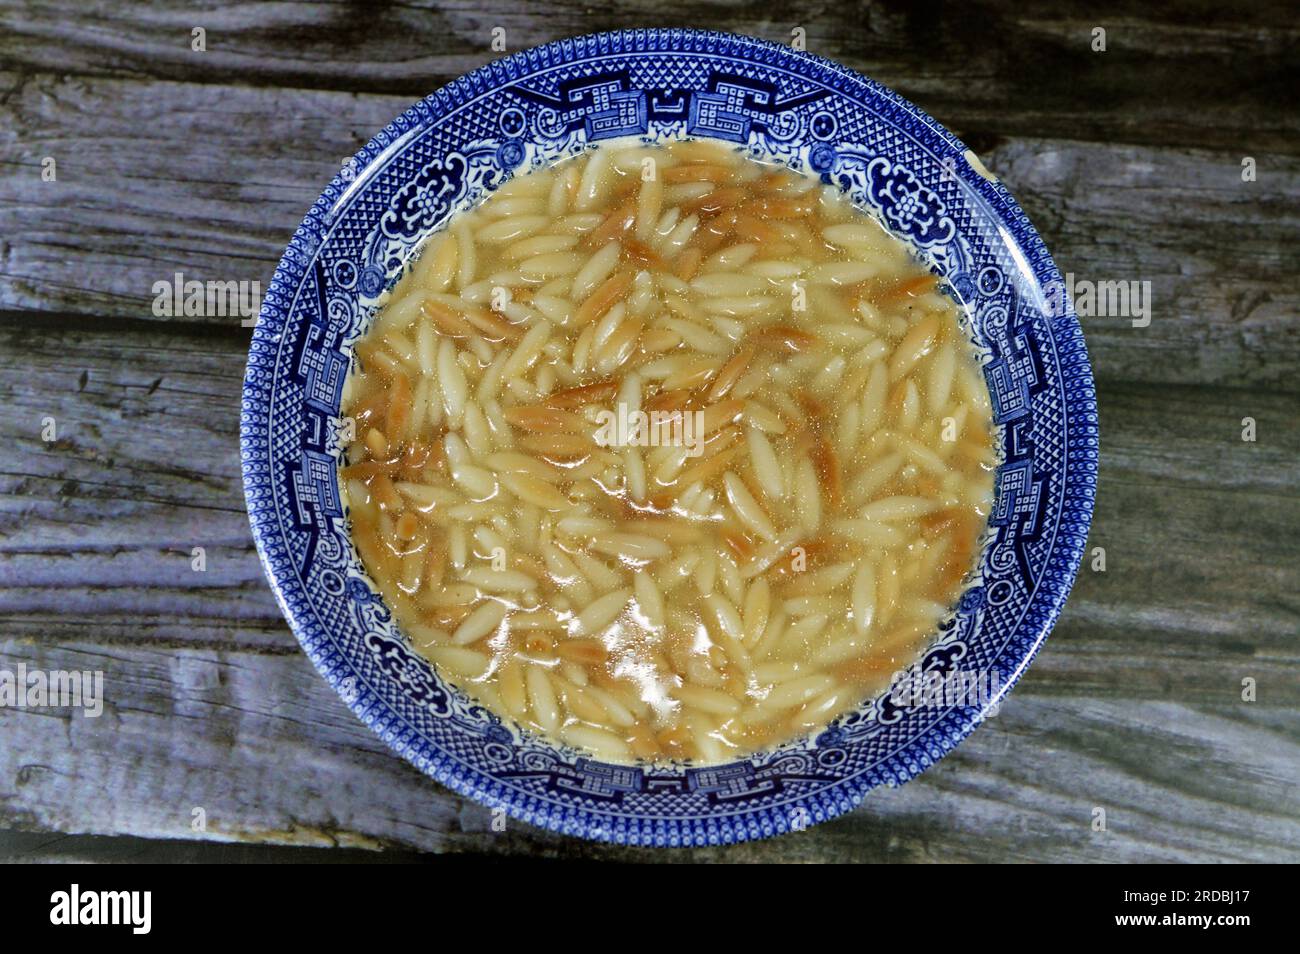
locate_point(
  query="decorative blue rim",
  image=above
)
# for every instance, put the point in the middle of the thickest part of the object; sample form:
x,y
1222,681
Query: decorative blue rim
x,y
524,111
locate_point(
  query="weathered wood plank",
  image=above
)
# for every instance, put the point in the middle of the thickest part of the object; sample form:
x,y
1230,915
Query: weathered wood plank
x,y
1182,500
986,68
1201,530
1210,253
97,528
217,193
22,847
271,756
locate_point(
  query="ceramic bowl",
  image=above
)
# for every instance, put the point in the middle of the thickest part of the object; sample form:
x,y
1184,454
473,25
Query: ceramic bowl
x,y
452,149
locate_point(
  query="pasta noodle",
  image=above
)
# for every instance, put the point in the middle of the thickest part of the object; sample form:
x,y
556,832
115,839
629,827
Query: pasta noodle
x,y
667,454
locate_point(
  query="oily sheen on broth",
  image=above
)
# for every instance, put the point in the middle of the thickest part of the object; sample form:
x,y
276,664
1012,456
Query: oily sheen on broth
x,y
664,453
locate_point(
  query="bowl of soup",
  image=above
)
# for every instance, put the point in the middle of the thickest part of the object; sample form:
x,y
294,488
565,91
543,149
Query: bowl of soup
x,y
667,437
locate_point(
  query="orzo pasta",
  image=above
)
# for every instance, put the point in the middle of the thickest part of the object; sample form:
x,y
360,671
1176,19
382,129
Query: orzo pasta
x,y
668,454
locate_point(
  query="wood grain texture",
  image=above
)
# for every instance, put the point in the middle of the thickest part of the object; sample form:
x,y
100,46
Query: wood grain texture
x,y
98,527
214,192
1128,162
1227,75
271,755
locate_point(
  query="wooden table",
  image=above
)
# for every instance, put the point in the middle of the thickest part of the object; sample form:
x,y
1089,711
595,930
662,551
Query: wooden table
x,y
167,159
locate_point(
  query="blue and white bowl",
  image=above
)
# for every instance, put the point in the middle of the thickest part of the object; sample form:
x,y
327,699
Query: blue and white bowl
x,y
522,112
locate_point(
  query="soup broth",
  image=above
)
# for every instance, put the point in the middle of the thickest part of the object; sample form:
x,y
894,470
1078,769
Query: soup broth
x,y
665,453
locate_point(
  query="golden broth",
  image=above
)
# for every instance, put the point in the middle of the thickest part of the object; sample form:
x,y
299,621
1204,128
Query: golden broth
x,y
666,454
